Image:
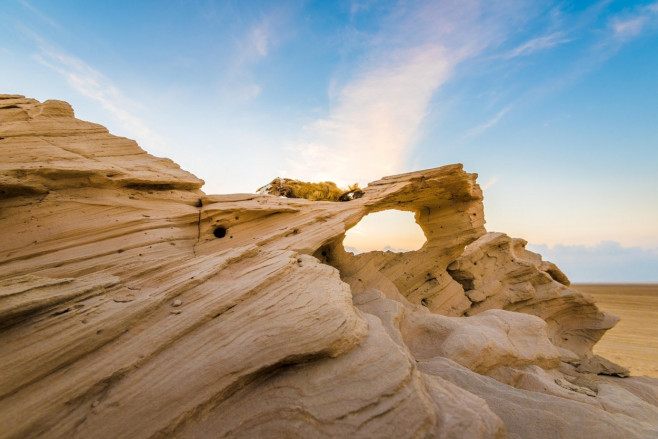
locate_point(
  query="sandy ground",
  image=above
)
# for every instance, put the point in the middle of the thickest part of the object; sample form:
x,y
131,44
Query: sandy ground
x,y
634,341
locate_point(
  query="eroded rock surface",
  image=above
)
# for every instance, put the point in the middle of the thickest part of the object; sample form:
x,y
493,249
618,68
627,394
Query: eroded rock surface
x,y
134,305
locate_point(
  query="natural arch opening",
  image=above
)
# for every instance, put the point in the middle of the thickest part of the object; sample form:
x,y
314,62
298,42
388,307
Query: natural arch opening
x,y
390,230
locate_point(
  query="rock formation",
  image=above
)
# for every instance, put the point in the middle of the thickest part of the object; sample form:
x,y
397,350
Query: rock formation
x,y
134,305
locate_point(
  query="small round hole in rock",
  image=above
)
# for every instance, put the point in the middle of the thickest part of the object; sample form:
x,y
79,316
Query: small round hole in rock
x,y
219,232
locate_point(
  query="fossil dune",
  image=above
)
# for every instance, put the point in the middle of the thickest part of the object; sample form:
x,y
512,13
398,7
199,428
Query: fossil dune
x,y
134,305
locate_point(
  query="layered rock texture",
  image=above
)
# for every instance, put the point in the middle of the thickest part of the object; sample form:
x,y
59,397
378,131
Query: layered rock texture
x,y
134,305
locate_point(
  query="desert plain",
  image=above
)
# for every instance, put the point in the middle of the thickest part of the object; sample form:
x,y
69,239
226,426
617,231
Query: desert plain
x,y
633,342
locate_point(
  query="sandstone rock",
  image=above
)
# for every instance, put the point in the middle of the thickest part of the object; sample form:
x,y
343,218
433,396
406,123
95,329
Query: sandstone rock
x,y
513,278
482,343
134,305
574,388
362,394
531,414
598,365
48,149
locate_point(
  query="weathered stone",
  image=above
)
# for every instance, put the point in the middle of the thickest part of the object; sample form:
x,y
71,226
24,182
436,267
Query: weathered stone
x,y
284,333
515,279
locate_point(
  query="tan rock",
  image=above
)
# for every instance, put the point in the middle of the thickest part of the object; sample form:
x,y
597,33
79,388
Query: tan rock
x,y
533,414
351,396
600,366
134,305
513,278
482,343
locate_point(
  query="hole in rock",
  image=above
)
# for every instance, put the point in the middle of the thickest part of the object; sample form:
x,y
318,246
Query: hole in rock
x,y
219,232
464,278
390,230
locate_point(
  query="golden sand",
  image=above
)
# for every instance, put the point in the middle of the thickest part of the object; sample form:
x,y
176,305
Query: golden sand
x,y
634,341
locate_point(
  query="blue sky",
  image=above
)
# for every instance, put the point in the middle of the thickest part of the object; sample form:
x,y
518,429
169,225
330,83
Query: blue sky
x,y
553,103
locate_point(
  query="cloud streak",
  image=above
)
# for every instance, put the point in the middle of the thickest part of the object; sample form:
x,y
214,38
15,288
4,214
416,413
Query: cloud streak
x,y
90,83
40,15
476,131
538,44
376,116
492,181
94,85
374,120
629,25
255,45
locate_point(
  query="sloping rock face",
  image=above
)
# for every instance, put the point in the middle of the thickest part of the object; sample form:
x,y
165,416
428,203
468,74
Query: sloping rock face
x,y
134,305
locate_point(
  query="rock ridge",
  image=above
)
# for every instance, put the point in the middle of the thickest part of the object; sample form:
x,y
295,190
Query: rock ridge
x,y
132,304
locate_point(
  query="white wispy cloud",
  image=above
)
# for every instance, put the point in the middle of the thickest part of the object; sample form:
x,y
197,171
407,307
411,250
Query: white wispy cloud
x,y
628,25
374,120
259,39
89,82
493,180
631,27
40,15
538,44
94,85
376,116
476,131
357,6
620,29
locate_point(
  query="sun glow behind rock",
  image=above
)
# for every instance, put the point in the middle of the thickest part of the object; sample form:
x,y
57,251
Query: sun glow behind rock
x,y
392,230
